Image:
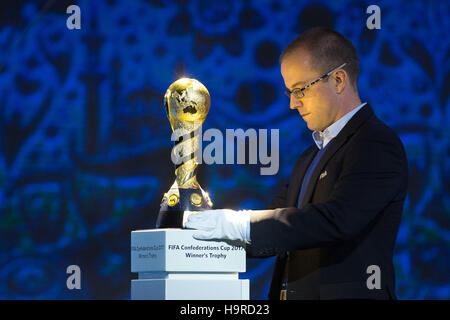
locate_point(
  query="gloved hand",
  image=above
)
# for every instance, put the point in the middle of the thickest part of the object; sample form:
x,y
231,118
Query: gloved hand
x,y
224,224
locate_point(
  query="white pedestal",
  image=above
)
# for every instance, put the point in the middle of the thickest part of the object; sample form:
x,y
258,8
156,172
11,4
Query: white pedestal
x,y
172,265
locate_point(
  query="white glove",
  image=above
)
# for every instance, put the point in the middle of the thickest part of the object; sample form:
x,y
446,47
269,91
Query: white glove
x,y
219,224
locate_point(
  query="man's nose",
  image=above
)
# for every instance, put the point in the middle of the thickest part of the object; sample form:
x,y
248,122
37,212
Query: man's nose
x,y
295,103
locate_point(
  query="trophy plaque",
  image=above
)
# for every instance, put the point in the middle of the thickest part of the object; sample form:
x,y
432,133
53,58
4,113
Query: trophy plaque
x,y
186,103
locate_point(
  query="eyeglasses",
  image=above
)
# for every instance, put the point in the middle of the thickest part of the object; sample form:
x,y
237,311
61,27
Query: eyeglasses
x,y
299,92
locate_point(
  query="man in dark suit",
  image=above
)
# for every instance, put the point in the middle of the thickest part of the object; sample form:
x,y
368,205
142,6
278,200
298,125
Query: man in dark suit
x,y
333,227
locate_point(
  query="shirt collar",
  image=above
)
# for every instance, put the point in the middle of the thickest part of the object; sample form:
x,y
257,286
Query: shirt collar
x,y
322,138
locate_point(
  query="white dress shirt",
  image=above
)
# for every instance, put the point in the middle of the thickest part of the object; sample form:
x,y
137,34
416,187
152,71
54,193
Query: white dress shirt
x,y
321,138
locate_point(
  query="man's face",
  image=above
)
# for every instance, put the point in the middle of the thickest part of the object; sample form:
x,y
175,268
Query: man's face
x,y
317,108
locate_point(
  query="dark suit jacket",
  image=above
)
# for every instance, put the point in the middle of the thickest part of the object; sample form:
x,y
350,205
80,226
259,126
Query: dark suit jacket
x,y
348,220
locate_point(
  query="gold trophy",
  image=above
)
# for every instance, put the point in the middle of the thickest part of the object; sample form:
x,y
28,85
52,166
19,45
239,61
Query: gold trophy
x,y
187,103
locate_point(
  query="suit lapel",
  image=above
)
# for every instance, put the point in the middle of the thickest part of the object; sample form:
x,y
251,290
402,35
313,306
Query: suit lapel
x,y
298,174
332,148
355,122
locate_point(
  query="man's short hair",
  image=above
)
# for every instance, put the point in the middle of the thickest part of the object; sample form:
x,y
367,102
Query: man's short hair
x,y
328,49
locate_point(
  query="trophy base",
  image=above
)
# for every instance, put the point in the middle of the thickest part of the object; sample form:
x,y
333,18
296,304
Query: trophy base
x,y
168,272
170,219
178,200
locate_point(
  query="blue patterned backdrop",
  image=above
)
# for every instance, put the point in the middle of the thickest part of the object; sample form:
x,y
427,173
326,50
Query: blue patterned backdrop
x,y
85,143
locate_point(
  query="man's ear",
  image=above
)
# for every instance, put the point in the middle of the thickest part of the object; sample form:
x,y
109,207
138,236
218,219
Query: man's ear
x,y
340,80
